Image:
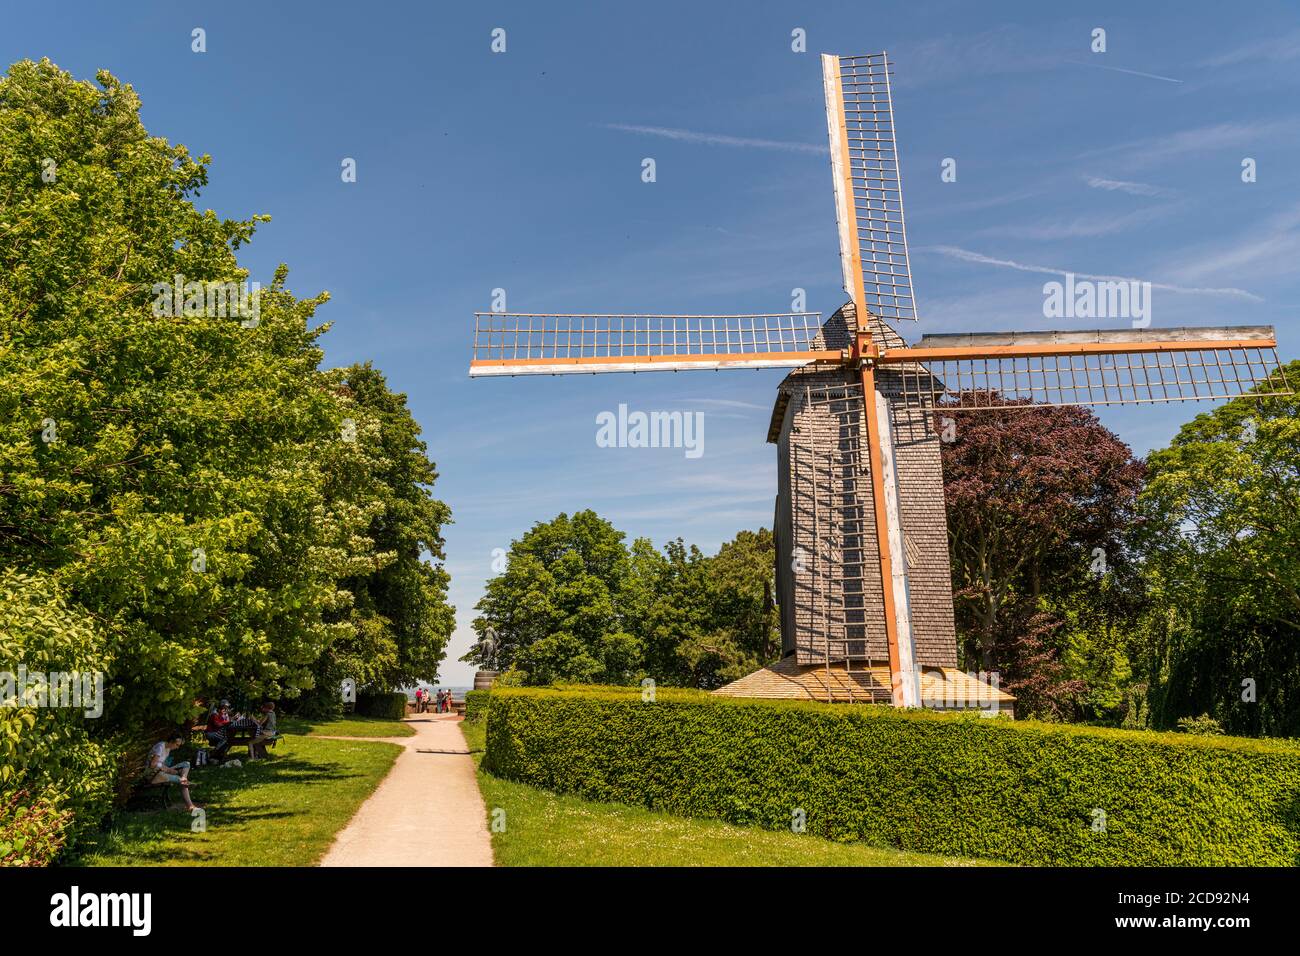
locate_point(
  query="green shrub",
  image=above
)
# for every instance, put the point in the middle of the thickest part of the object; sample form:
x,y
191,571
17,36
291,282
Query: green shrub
x,y
476,704
937,783
1204,726
389,706
511,677
33,830
46,751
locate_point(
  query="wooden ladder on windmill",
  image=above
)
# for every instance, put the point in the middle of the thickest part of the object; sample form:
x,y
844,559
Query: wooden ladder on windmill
x,y
858,602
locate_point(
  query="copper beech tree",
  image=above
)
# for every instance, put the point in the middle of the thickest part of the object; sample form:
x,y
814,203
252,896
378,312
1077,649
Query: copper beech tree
x,y
1038,499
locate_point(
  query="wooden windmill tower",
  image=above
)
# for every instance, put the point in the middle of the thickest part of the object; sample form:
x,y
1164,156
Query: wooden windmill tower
x,y
863,573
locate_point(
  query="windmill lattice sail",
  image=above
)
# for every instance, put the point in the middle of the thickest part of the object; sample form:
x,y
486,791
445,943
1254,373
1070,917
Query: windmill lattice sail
x,y
1101,367
868,185
534,343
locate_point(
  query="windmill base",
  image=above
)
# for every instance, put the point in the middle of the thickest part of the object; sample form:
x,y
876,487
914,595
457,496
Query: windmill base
x,y
942,688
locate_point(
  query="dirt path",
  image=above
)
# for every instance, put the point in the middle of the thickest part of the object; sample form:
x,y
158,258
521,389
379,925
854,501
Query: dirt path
x,y
426,812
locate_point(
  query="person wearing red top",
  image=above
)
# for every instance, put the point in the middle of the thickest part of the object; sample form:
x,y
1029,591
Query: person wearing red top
x,y
217,730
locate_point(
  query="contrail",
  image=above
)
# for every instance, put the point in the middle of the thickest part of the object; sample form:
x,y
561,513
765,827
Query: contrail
x,y
716,139
1120,69
953,252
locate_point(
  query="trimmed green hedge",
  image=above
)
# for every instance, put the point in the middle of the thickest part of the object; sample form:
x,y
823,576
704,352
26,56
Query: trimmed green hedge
x,y
476,704
937,783
389,706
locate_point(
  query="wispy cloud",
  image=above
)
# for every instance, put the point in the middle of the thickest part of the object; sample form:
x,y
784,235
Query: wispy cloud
x,y
1267,251
1120,185
1120,69
966,255
1081,227
717,139
959,57
755,484
1154,150
1276,49
976,205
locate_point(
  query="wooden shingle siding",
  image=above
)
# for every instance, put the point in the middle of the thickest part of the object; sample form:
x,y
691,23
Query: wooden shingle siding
x,y
828,578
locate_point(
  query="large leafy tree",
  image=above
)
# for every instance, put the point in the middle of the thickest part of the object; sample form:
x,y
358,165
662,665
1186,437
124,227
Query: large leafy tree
x,y
1222,547
399,611
1037,500
557,612
188,479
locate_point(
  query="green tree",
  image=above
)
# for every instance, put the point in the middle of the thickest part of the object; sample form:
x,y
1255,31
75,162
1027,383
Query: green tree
x,y
400,616
169,470
558,610
187,476
666,606
741,627
576,604
1221,541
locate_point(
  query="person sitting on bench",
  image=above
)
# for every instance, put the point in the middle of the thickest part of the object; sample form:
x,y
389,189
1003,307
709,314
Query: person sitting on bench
x,y
217,732
162,770
265,732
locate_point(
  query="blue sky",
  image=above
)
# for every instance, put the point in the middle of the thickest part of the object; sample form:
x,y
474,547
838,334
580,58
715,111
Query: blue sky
x,y
522,170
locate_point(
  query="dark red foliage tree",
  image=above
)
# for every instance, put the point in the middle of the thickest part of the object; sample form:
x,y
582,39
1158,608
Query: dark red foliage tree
x,y
1031,493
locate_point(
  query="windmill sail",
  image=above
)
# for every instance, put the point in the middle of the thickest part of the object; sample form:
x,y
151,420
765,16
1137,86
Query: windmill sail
x,y
868,185
1101,367
519,343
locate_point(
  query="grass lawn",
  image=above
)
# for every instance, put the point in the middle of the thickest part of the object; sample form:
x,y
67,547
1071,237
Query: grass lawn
x,y
345,727
547,829
281,812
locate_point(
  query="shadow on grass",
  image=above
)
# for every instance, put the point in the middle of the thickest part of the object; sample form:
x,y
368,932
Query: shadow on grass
x,y
238,802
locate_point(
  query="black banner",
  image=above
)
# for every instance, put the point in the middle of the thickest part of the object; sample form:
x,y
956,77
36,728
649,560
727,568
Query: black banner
x,y
494,904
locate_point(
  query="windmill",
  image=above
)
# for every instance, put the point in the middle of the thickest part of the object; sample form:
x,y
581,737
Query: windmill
x,y
862,571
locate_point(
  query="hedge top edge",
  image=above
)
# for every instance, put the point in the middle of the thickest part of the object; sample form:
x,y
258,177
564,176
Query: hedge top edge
x,y
678,696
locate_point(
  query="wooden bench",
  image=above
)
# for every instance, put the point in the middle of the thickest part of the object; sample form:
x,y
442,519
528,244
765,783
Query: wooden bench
x,y
135,769
162,792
